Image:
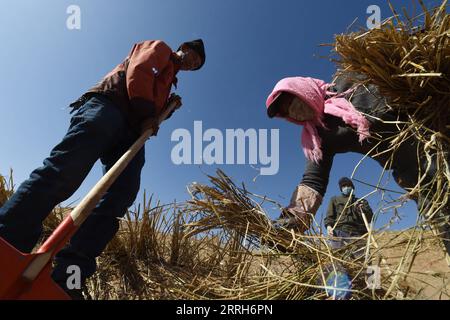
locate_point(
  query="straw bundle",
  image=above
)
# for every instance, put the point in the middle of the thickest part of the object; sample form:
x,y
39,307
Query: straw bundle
x,y
409,60
221,245
6,188
301,271
3,194
291,266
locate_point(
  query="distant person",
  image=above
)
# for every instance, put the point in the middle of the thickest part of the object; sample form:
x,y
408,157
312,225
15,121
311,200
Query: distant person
x,y
108,119
344,220
345,226
340,118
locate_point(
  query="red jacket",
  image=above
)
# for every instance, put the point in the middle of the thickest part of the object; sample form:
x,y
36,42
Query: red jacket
x,y
141,84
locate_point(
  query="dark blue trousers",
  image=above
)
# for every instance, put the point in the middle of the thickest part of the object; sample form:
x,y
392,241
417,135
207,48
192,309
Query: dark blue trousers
x,y
98,130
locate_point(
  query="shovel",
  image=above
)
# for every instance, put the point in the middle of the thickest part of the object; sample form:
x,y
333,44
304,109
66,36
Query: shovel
x,y
27,276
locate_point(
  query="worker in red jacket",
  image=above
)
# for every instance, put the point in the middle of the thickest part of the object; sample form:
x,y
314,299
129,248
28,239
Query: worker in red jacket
x,y
107,120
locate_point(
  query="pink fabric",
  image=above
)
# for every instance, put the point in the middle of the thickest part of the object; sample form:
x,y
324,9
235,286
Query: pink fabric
x,y
314,92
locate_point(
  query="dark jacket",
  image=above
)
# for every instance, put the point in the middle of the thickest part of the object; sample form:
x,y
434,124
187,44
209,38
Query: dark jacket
x,y
338,137
141,84
344,214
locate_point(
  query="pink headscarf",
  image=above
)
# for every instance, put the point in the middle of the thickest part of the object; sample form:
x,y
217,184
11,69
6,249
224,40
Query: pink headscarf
x,y
314,92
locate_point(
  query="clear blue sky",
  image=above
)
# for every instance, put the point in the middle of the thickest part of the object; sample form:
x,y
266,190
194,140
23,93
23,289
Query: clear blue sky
x,y
250,46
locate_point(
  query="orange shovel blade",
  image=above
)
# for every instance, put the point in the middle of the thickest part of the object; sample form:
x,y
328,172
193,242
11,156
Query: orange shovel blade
x,y
14,287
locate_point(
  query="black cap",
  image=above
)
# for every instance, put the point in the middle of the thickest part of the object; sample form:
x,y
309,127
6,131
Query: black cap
x,y
346,181
197,46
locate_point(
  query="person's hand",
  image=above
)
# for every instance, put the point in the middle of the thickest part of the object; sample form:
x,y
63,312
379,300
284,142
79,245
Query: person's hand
x,y
360,206
150,123
330,231
174,98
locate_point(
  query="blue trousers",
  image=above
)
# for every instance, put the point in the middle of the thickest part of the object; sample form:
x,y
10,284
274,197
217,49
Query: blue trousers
x,y
343,238
98,130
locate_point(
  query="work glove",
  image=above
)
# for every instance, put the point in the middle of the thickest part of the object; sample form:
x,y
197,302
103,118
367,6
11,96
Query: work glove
x,y
287,221
304,204
152,123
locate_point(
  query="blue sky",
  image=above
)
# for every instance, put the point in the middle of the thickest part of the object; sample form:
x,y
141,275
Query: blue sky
x,y
250,46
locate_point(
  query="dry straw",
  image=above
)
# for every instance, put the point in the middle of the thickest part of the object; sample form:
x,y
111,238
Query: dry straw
x,y
409,60
6,188
222,245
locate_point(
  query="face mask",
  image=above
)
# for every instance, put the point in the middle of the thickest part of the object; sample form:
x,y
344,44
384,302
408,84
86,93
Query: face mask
x,y
346,191
300,111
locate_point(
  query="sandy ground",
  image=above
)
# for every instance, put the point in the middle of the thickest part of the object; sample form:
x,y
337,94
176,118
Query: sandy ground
x,y
429,276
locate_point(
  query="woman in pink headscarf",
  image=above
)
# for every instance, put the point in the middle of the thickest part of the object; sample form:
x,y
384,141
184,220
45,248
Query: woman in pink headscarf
x,y
339,118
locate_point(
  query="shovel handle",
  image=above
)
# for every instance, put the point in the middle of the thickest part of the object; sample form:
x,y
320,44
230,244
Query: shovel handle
x,y
72,222
90,201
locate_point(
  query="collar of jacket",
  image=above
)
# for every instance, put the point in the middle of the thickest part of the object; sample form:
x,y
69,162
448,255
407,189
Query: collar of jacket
x,y
346,197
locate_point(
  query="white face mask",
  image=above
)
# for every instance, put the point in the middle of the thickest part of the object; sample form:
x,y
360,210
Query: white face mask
x,y
346,191
300,111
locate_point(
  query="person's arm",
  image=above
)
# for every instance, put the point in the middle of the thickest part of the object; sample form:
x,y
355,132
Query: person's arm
x,y
146,59
316,175
330,219
308,196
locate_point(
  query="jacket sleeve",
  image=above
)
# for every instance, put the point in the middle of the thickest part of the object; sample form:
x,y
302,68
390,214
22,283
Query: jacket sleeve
x,y
330,219
316,175
146,59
